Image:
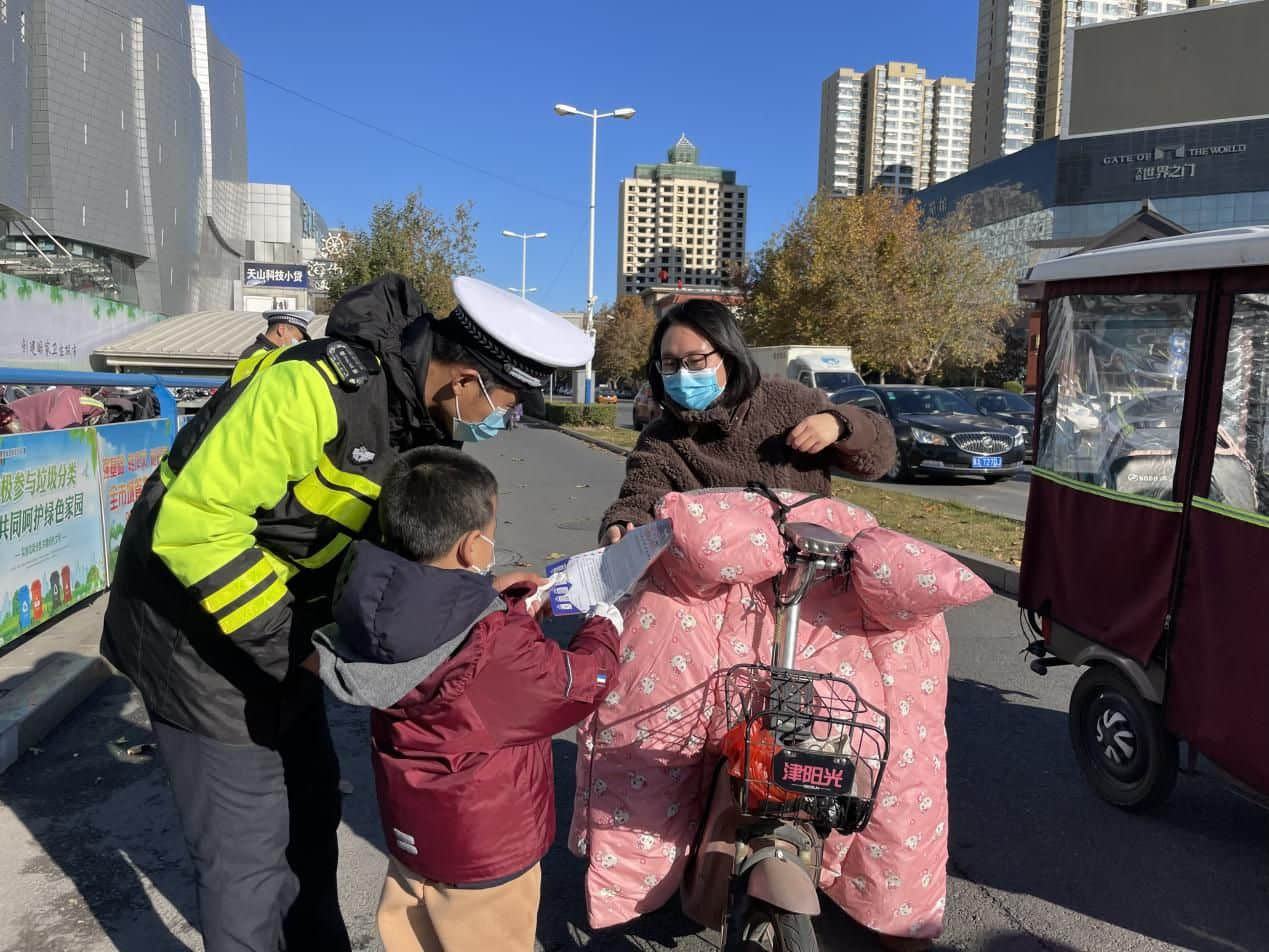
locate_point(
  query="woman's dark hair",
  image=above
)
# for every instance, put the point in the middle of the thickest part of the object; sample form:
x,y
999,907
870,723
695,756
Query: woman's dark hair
x,y
714,322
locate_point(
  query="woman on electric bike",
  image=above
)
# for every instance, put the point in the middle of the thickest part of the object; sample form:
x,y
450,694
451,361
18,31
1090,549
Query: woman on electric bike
x,y
724,424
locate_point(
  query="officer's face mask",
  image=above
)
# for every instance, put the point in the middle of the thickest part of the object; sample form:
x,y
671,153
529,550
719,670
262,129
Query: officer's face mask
x,y
487,428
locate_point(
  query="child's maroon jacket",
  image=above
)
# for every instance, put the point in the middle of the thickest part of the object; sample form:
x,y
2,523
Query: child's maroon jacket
x,y
468,693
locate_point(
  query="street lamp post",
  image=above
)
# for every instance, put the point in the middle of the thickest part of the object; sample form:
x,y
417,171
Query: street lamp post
x,y
524,288
583,394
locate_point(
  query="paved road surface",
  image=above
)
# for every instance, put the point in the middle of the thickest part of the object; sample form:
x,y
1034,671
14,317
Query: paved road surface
x,y
1008,498
92,858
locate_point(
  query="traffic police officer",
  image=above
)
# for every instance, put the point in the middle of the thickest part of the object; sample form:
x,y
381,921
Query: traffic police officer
x,y
228,561
282,329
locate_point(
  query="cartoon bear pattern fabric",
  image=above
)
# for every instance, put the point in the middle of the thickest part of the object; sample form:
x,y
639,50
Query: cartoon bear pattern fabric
x,y
647,756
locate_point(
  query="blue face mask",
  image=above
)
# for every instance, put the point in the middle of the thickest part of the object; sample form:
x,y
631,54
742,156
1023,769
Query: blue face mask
x,y
693,389
486,429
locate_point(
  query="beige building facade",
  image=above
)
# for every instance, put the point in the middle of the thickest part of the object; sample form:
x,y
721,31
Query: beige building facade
x,y
680,224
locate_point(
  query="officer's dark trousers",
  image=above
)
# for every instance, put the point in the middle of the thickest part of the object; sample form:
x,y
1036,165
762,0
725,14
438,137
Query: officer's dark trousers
x,y
261,825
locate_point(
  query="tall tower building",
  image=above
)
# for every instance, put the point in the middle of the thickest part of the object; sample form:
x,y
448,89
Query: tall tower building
x,y
1021,65
841,132
949,106
895,128
680,221
891,127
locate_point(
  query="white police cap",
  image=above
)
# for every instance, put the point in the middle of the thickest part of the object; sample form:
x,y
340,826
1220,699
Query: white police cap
x,y
300,317
517,338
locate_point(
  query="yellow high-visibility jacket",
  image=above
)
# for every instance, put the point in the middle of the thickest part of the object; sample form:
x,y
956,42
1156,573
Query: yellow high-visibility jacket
x,y
228,560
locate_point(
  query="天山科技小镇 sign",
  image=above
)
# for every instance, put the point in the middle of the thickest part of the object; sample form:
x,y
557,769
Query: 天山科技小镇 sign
x,y
257,274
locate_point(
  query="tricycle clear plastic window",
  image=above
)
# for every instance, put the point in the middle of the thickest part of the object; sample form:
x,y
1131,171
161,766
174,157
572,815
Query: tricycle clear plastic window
x,y
1114,389
1240,470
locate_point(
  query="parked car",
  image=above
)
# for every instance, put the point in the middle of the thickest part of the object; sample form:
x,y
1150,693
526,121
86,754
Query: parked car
x,y
939,433
626,392
1007,407
605,395
645,408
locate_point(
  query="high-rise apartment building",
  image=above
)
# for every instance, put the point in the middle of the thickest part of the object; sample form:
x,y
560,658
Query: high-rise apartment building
x,y
949,114
895,128
1022,58
892,127
841,132
680,222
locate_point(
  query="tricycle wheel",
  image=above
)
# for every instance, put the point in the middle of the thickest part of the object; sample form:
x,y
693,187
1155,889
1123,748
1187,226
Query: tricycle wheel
x,y
1120,740
764,928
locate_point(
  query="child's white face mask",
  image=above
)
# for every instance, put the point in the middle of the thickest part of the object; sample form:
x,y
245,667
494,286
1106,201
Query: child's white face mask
x,y
488,569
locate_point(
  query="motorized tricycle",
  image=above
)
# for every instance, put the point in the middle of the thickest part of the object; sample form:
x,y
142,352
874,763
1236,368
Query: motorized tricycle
x,y
1147,535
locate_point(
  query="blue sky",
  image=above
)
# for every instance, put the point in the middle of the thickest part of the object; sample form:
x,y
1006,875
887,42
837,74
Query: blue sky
x,y
476,81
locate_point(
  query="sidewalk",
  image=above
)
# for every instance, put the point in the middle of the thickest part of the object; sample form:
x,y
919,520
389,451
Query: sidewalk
x,y
48,676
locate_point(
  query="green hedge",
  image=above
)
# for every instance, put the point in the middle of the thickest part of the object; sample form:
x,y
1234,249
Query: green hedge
x,y
579,414
1013,386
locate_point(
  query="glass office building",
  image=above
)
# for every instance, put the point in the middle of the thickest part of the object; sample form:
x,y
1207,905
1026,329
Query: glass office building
x,y
1061,194
123,152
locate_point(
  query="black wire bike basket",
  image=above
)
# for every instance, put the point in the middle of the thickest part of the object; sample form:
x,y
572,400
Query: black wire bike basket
x,y
803,746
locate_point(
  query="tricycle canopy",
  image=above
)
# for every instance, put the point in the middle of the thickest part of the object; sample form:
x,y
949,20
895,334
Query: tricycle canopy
x,y
1148,523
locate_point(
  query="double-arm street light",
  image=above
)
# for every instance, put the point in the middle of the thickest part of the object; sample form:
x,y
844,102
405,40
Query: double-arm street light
x,y
524,255
583,394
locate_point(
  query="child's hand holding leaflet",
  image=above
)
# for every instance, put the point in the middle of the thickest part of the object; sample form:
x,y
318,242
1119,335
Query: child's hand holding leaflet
x,y
604,576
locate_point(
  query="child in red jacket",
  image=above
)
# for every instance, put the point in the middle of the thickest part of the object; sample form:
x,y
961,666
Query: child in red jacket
x,y
467,693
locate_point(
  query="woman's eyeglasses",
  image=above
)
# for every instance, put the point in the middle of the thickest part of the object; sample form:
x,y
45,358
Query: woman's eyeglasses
x,y
671,365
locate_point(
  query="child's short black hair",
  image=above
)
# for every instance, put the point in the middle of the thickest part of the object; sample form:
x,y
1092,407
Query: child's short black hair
x,y
431,498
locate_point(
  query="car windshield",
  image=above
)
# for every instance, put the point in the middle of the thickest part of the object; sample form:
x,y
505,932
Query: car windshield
x,y
1003,402
839,380
926,400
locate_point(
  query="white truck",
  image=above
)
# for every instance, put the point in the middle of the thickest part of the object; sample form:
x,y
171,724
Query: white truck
x,y
828,368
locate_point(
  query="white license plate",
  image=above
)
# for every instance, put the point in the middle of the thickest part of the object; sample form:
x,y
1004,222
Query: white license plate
x,y
986,462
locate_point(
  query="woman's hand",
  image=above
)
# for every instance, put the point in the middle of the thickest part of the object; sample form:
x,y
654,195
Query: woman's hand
x,y
615,532
816,433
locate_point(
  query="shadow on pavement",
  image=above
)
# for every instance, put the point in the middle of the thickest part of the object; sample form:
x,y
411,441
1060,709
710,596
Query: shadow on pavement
x,y
106,821
1024,820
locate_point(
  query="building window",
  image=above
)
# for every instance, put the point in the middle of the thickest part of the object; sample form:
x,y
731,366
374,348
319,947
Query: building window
x,y
126,198
83,216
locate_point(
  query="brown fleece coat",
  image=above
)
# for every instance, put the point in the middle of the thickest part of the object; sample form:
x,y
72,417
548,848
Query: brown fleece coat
x,y
721,447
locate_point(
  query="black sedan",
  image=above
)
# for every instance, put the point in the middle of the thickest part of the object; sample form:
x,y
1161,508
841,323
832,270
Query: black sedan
x,y
939,433
1009,408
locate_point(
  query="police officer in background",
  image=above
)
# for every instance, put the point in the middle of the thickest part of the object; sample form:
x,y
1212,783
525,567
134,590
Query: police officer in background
x,y
282,329
228,561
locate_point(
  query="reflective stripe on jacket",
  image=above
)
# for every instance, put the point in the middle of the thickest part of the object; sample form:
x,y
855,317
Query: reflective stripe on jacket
x,y
229,557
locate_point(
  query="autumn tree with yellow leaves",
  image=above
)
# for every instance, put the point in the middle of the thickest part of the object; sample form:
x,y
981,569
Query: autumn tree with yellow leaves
x,y
623,333
909,296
